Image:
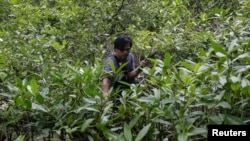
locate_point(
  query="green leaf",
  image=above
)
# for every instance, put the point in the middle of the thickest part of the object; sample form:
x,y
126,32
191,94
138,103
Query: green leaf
x,y
167,59
197,131
33,87
86,124
28,103
183,137
224,104
222,79
57,46
112,65
244,55
234,120
20,138
232,45
40,99
143,132
38,107
89,100
214,119
134,120
119,70
91,109
127,132
217,47
106,109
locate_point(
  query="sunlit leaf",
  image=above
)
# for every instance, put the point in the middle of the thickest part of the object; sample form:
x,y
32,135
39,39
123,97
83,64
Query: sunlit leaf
x,y
245,55
112,65
57,46
216,119
38,107
183,137
224,104
142,133
167,59
222,79
133,122
232,45
234,120
33,87
86,124
20,138
198,131
217,47
89,100
127,133
106,109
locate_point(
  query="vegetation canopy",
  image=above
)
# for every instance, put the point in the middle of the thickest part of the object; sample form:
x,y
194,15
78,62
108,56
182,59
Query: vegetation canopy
x,y
51,60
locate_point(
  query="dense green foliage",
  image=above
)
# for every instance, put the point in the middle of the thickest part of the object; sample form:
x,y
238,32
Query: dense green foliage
x,y
51,59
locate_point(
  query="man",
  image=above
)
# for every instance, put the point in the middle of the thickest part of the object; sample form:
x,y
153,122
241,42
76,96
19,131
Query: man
x,y
121,57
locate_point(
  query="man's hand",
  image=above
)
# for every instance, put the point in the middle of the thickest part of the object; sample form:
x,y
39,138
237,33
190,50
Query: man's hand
x,y
144,63
105,88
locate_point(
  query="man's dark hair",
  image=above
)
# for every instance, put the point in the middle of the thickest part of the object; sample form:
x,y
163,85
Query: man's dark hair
x,y
121,41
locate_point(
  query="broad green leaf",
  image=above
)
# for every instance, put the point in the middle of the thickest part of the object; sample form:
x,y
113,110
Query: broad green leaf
x,y
106,109
217,47
20,138
133,122
38,107
33,87
235,86
146,99
187,79
57,46
189,65
40,99
185,70
143,132
216,119
91,109
197,131
86,124
157,93
234,120
222,79
169,100
219,96
164,122
244,55
112,65
19,100
127,132
167,60
28,103
246,90
119,70
224,104
183,137
87,108
8,95
89,100
232,45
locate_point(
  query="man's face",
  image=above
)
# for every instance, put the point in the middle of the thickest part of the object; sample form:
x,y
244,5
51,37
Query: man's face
x,y
122,54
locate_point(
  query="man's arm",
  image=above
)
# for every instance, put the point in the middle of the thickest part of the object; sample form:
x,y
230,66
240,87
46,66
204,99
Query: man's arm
x,y
134,73
105,86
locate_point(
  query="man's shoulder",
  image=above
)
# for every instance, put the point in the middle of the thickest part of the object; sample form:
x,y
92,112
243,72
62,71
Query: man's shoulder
x,y
111,57
130,56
